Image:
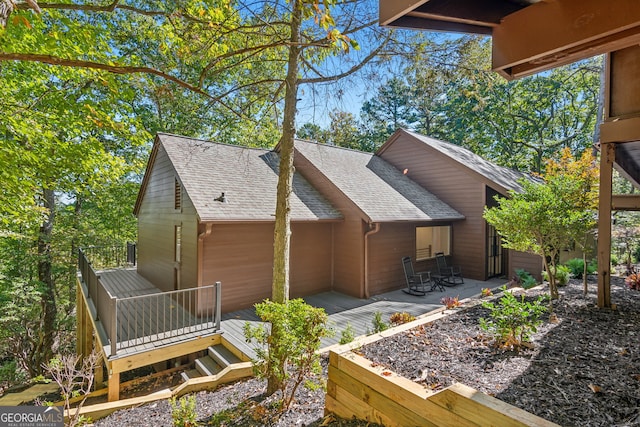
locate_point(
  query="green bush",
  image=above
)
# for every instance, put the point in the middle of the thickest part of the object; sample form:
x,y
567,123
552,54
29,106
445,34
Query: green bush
x,y
562,275
525,278
614,260
576,266
287,350
378,324
183,411
513,320
347,335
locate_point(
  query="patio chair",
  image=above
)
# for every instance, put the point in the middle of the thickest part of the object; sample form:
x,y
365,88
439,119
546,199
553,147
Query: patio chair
x,y
448,275
417,283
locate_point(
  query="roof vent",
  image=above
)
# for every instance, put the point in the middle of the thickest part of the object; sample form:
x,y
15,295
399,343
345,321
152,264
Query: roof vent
x,y
221,199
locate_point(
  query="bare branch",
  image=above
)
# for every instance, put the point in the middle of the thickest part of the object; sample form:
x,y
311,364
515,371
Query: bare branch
x,y
358,66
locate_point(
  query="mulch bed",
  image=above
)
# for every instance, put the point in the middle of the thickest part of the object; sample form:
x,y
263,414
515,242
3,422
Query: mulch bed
x,y
583,370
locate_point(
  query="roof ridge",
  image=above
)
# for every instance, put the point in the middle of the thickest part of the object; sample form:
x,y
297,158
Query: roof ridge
x,y
208,141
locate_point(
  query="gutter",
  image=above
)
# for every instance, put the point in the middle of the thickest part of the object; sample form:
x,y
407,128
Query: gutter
x,y
374,230
201,237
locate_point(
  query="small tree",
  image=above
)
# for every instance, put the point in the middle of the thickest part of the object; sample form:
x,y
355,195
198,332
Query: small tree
x,y
546,217
287,347
74,375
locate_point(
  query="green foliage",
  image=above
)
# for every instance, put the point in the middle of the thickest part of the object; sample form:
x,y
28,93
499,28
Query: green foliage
x,y
347,335
562,274
451,302
183,411
513,320
525,279
546,216
378,324
576,267
400,318
286,350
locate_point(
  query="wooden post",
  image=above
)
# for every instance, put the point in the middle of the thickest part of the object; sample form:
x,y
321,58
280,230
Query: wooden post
x,y
98,375
80,315
607,157
113,392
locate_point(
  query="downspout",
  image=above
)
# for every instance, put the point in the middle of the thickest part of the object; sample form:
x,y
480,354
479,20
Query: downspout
x,y
201,236
376,228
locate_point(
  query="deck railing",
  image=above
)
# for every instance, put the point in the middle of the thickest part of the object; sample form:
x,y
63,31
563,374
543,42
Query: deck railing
x,y
148,319
145,319
111,256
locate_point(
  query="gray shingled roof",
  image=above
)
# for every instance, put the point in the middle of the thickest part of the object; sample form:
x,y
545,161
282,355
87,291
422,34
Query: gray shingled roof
x,y
247,176
380,190
505,177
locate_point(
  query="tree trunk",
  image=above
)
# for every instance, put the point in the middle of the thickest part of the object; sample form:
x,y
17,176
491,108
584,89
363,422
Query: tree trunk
x,y
43,350
553,288
282,232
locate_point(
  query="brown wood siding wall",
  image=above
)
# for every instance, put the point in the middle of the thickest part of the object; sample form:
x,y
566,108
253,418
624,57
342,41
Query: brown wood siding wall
x,y
241,257
348,235
459,188
386,249
530,262
156,220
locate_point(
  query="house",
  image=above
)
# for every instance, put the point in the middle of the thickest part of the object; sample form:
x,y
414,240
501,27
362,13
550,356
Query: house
x,y
468,183
206,213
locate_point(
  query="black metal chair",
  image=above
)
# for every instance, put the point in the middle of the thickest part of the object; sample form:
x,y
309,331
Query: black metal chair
x,y
448,275
417,283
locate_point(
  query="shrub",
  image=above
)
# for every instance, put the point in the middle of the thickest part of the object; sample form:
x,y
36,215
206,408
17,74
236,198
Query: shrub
x,y
183,411
451,302
562,274
287,351
614,260
378,323
74,375
347,335
400,318
512,319
576,267
525,278
633,281
486,292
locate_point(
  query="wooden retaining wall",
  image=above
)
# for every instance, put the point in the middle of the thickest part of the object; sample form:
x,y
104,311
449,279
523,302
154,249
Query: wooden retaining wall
x,y
358,388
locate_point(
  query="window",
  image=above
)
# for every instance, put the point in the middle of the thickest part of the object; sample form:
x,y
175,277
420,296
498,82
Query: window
x,y
177,198
431,240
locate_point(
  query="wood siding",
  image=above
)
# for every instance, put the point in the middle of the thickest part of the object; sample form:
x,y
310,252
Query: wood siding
x,y
157,218
530,262
348,236
455,185
386,249
241,257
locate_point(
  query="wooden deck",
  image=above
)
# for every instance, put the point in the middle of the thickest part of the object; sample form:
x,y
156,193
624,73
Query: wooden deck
x,y
152,322
342,310
359,313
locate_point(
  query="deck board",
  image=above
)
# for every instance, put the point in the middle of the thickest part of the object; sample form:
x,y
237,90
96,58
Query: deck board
x,y
342,310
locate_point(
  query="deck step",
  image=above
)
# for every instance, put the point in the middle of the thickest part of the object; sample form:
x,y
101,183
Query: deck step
x,y
207,366
222,355
191,373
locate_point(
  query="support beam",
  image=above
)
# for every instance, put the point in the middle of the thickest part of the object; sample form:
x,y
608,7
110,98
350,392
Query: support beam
x,y
98,375
80,313
625,202
114,386
548,34
607,157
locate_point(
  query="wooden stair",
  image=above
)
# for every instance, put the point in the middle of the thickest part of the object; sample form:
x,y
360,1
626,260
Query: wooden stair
x,y
218,357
